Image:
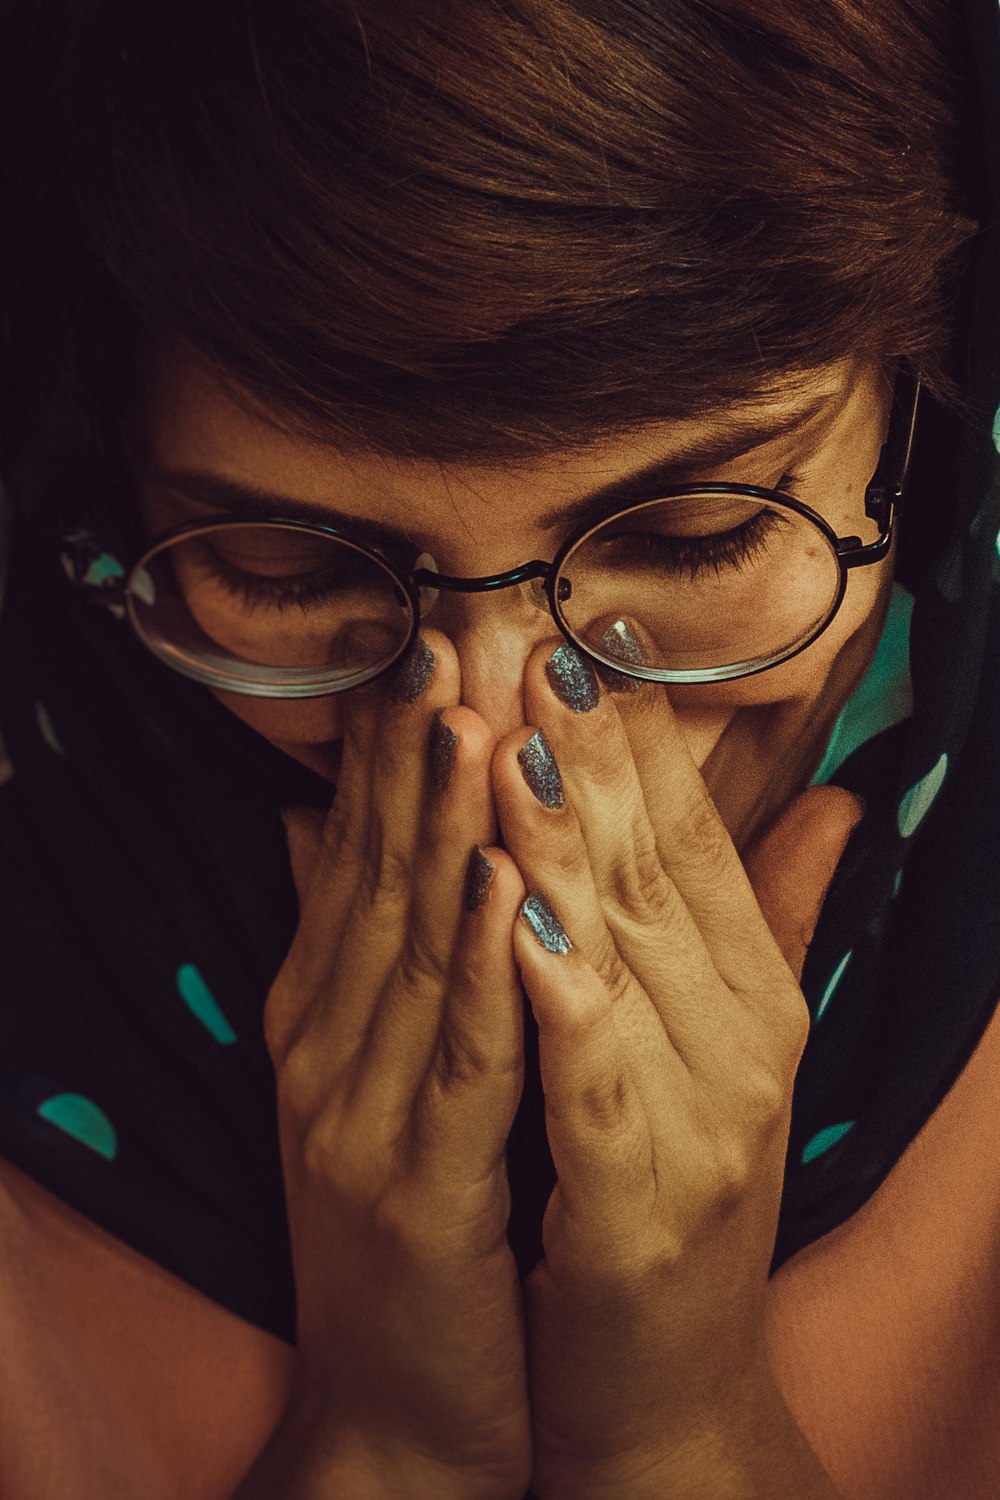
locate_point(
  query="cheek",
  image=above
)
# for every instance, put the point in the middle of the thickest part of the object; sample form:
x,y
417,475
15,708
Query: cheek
x,y
818,681
307,729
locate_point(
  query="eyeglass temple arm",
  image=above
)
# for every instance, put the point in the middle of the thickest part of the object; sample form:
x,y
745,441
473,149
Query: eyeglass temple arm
x,y
884,494
885,489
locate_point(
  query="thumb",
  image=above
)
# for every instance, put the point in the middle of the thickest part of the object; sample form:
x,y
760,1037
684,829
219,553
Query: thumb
x,y
792,864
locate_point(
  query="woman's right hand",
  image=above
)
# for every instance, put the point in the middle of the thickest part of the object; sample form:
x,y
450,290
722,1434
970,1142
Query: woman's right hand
x,y
394,1026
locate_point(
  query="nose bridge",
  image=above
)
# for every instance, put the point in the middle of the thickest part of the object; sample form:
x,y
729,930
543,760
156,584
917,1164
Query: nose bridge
x,y
493,633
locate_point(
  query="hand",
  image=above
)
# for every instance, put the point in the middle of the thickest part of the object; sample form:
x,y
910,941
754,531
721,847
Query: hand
x,y
669,1039
395,1030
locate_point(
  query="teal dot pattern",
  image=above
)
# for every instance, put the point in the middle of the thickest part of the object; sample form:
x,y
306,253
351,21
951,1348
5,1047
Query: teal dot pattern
x,y
883,697
102,568
823,1140
835,979
181,927
917,803
202,1003
84,1120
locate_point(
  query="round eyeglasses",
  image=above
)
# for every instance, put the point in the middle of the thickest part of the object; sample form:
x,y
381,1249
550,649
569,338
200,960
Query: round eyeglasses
x,y
705,583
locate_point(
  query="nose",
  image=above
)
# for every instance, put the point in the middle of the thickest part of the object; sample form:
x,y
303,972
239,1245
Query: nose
x,y
493,635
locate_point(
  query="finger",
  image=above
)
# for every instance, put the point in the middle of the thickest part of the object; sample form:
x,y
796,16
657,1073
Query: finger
x,y
643,822
357,907
658,973
398,763
594,1115
376,807
458,817
325,855
319,869
470,1092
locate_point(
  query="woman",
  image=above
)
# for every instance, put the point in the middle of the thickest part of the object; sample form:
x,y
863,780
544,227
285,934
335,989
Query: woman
x,y
480,475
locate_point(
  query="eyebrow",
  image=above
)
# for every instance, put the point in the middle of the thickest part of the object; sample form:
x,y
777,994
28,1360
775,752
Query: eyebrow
x,y
685,465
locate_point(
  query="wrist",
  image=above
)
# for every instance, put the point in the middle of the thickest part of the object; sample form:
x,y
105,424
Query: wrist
x,y
387,1472
756,1451
308,1458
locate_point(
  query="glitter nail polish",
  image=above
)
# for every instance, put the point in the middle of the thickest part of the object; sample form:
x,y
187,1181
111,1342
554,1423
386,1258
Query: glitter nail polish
x,y
409,677
545,925
539,769
618,641
477,880
572,679
441,751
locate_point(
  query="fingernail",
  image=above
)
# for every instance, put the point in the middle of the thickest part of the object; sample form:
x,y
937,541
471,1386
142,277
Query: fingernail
x,y
546,927
618,641
539,769
409,677
443,740
572,679
477,880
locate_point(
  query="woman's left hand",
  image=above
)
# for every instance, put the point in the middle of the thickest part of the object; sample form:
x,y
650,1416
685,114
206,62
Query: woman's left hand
x,y
669,1034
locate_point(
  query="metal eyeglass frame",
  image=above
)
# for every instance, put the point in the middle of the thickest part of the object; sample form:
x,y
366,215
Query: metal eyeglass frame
x,y
106,582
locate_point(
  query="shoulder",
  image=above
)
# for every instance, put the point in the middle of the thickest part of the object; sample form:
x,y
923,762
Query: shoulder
x,y
118,1379
885,1334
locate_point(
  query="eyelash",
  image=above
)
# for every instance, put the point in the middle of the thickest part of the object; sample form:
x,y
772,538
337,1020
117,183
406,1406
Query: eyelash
x,y
726,549
697,555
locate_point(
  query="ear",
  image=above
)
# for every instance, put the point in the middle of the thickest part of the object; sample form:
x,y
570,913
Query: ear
x,y
792,864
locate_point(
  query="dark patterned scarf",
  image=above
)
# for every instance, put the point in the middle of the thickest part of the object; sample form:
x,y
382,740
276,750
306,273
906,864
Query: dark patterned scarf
x,y
146,901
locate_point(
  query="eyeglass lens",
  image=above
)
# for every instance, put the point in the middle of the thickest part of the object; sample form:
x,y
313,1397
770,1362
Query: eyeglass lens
x,y
691,584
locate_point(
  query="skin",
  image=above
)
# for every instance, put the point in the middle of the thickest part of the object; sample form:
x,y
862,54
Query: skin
x,y
757,741
633,1363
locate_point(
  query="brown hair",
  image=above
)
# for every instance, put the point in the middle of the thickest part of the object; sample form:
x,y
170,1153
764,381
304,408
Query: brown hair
x,y
481,229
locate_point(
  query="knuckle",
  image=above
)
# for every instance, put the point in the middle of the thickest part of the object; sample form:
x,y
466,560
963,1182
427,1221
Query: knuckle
x,y
421,966
319,1156
766,1076
461,1059
279,1018
277,1028
643,891
408,1225
343,836
607,963
766,1099
758,1091
385,875
731,1172
331,1157
567,859
700,835
606,1103
296,1074
795,1025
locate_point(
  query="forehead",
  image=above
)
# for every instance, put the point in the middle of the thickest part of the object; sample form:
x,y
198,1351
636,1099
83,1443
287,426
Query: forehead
x,y
194,421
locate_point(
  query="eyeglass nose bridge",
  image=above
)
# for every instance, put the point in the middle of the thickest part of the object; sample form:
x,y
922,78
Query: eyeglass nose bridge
x,y
537,574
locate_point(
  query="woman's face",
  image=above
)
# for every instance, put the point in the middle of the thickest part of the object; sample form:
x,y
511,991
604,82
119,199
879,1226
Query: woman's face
x,y
757,740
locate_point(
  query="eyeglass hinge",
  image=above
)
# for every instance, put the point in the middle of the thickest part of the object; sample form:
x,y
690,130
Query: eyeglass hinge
x,y
880,502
